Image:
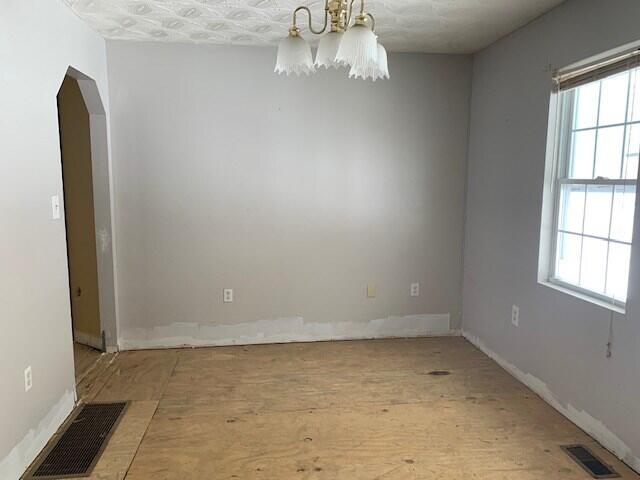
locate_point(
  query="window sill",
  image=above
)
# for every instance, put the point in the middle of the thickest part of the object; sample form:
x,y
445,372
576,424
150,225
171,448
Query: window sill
x,y
583,296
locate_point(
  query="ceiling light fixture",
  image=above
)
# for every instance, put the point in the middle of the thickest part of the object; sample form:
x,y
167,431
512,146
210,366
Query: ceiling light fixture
x,y
345,45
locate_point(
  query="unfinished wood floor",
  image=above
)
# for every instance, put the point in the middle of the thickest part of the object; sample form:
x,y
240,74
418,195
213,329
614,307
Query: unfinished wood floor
x,y
83,359
333,410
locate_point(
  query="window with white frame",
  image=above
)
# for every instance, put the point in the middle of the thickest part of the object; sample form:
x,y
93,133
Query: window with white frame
x,y
596,172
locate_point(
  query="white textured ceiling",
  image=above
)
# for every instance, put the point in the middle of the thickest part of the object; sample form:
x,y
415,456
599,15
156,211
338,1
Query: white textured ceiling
x,y
438,26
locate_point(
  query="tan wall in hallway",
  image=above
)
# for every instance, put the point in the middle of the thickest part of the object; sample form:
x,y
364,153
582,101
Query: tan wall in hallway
x,y
78,202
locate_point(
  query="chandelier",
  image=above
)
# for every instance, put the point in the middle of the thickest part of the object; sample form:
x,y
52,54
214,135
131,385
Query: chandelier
x,y
354,46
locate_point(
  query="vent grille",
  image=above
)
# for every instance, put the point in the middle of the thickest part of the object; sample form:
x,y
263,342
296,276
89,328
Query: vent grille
x,y
76,451
590,462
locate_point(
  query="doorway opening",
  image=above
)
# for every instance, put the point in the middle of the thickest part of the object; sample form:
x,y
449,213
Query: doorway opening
x,y
87,216
77,182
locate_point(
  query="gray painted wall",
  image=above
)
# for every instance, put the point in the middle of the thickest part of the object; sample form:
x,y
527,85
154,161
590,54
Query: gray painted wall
x,y
296,192
38,42
561,340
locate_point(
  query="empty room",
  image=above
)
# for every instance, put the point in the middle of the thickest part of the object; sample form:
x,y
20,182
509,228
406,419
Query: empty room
x,y
319,239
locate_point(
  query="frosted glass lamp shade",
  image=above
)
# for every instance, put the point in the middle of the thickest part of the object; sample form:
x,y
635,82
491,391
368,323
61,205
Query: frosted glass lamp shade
x,y
294,56
359,47
328,49
373,70
383,65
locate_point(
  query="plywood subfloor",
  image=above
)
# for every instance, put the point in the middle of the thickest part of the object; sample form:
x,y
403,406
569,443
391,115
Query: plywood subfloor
x,y
334,410
84,358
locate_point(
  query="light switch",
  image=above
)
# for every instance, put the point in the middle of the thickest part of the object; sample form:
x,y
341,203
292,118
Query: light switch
x,y
55,207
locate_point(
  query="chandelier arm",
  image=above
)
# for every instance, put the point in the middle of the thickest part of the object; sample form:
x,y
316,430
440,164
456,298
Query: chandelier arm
x,y
373,21
306,9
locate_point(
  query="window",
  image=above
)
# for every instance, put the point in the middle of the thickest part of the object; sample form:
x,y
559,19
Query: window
x,y
596,172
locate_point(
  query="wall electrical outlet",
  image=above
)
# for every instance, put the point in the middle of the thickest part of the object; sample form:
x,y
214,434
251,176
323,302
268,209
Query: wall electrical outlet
x,y
227,295
515,315
55,207
28,379
415,289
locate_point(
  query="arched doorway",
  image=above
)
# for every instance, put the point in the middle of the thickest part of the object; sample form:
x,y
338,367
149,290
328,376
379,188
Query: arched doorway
x,y
87,215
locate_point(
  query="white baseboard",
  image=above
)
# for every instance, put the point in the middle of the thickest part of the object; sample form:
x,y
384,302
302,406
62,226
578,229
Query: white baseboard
x,y
282,330
582,419
87,339
21,456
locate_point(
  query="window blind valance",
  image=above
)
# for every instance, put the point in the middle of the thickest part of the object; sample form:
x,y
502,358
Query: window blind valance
x,y
580,76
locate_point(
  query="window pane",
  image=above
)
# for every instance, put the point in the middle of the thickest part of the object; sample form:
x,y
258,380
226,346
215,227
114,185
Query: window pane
x,y
572,208
609,152
618,271
568,257
624,203
631,149
594,264
587,105
613,99
598,210
582,154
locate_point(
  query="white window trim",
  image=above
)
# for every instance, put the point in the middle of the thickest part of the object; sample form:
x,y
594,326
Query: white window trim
x,y
587,297
559,139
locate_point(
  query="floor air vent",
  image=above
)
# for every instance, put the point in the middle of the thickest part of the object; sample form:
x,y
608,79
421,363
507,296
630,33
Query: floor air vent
x,y
77,449
587,460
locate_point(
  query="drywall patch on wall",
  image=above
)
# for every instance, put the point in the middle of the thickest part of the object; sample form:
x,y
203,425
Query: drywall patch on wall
x,y
19,459
283,330
582,419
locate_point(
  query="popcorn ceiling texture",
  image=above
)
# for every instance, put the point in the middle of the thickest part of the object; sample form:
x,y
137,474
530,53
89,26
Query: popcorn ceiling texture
x,y
436,26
